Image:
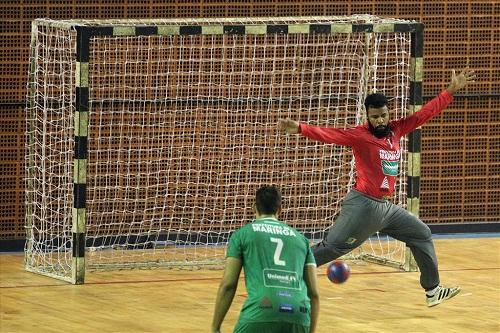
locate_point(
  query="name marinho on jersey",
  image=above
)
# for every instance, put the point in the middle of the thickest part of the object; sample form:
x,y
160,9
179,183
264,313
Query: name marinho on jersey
x,y
273,229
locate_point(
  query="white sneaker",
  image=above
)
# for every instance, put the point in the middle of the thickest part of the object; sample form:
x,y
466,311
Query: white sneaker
x,y
440,294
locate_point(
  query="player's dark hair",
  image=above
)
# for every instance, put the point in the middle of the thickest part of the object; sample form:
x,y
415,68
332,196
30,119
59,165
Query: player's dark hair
x,y
376,100
268,200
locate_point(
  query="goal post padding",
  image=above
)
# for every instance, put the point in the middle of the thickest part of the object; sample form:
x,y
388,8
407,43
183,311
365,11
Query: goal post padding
x,y
147,139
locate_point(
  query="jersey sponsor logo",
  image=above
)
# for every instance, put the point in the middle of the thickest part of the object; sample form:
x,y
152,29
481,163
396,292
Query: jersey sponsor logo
x,y
390,168
350,240
284,293
390,162
273,229
276,278
303,307
385,184
286,308
265,303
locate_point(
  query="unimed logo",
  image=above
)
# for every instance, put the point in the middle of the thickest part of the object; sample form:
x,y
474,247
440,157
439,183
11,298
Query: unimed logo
x,y
390,168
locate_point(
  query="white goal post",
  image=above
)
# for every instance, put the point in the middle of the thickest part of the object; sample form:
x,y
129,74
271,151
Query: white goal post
x,y
146,139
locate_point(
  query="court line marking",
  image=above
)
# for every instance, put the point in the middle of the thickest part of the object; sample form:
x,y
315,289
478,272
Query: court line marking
x,y
209,279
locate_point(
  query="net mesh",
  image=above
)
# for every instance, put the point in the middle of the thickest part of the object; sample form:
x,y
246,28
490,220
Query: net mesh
x,y
182,131
49,154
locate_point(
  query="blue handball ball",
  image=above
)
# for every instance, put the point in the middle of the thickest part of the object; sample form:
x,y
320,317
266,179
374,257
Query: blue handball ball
x,y
338,271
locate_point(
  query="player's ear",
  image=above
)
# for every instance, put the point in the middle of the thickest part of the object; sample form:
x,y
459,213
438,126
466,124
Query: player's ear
x,y
278,211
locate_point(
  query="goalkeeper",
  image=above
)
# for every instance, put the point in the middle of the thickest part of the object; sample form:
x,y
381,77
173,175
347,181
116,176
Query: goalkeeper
x,y
365,209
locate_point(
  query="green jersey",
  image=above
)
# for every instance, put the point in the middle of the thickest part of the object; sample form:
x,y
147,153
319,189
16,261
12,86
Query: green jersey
x,y
274,258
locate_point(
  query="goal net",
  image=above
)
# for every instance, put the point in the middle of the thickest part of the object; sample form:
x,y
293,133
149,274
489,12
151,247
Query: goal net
x,y
146,140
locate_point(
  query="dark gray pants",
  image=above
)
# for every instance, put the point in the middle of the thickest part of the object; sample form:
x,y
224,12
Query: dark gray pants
x,y
362,216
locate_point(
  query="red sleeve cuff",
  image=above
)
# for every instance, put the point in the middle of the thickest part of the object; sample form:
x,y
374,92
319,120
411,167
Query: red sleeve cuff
x,y
447,95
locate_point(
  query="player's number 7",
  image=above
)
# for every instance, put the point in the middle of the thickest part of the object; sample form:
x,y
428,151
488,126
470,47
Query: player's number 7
x,y
277,251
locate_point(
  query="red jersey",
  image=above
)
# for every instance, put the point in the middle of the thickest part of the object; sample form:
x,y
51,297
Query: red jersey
x,y
377,160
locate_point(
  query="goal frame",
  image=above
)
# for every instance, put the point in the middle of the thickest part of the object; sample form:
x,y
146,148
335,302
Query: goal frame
x,y
86,31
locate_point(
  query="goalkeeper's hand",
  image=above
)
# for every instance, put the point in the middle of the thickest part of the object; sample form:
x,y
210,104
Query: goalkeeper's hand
x,y
459,81
288,126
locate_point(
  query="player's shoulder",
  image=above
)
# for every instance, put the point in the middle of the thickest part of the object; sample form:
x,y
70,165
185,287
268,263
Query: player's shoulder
x,y
240,231
361,128
396,124
361,132
245,228
355,128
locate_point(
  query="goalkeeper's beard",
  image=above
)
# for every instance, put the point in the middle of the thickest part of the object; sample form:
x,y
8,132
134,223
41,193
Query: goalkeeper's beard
x,y
380,131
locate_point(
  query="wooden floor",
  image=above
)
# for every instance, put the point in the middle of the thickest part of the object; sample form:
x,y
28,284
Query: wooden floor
x,y
374,299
